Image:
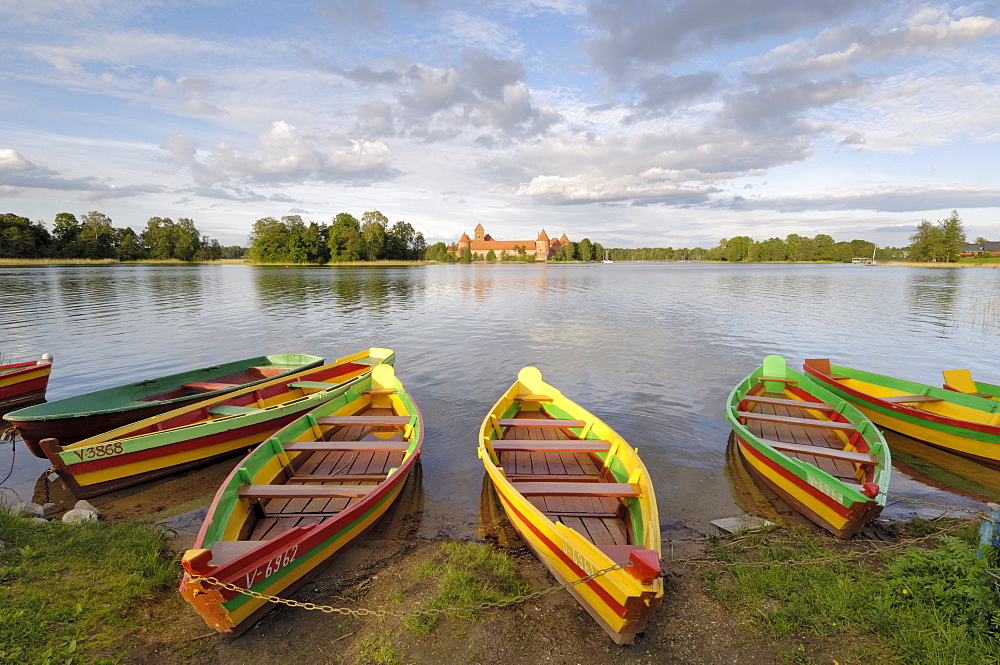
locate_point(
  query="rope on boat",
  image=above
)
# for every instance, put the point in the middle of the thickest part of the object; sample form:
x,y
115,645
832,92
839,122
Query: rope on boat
x,y
413,613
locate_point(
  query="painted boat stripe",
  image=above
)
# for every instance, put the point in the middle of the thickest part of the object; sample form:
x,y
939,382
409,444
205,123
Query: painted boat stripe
x,y
594,586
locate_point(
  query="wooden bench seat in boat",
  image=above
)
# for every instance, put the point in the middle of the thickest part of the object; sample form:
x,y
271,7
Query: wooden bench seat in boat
x,y
392,445
314,478
778,379
366,421
802,404
379,391
539,422
822,451
208,385
532,398
553,477
906,399
315,385
224,551
566,513
788,420
371,362
304,491
578,489
229,410
553,446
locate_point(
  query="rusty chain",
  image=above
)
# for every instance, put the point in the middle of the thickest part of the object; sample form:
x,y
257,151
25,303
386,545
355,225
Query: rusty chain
x,y
412,613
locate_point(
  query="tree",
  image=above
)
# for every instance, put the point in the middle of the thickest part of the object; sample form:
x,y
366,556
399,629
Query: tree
x,y
824,248
927,242
268,240
491,256
437,252
128,247
97,236
566,252
585,250
466,256
373,234
954,236
65,233
344,238
738,249
20,238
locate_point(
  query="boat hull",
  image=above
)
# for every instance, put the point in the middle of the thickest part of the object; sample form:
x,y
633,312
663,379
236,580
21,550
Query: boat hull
x,y
974,434
615,600
23,383
77,418
190,437
821,505
279,566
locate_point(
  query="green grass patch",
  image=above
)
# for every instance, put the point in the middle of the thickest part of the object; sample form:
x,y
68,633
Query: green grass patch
x,y
927,604
67,591
468,574
378,651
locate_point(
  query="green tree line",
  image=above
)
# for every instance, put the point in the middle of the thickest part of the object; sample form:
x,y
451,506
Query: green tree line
x,y
94,236
372,238
940,241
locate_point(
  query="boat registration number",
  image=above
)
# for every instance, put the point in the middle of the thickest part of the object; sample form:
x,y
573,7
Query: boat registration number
x,y
826,489
578,558
96,452
272,566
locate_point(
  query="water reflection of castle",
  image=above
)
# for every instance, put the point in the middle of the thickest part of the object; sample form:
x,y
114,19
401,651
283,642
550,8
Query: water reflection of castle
x,y
541,248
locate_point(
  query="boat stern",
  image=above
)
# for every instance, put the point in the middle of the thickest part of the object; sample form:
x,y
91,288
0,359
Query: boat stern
x,y
204,597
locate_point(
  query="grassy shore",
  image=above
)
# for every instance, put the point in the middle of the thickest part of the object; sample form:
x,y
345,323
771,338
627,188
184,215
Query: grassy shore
x,y
105,593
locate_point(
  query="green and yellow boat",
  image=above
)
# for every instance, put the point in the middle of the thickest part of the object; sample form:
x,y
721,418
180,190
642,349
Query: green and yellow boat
x,y
301,498
203,432
963,424
580,497
76,418
816,451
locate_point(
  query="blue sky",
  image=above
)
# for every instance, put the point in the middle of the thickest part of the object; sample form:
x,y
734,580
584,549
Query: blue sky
x,y
632,123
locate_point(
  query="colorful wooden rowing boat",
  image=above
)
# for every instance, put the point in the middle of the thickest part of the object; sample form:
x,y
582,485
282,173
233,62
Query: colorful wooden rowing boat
x,y
24,383
580,497
961,381
301,498
200,433
816,451
962,424
75,418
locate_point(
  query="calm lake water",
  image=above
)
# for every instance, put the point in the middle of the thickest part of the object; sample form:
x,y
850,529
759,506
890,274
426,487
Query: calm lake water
x,y
652,348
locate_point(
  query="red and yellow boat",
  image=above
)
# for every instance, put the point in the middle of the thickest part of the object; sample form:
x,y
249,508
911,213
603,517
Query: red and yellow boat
x,y
200,433
24,383
967,425
816,451
301,498
581,498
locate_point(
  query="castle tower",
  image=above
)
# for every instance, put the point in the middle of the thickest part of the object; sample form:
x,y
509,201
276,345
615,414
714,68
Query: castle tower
x,y
542,246
464,243
480,233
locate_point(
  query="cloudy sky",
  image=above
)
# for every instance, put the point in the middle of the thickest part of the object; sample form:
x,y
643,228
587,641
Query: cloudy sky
x,y
634,123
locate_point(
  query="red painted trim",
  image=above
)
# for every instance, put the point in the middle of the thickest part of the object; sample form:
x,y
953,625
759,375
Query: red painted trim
x,y
801,483
612,604
871,401
187,445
